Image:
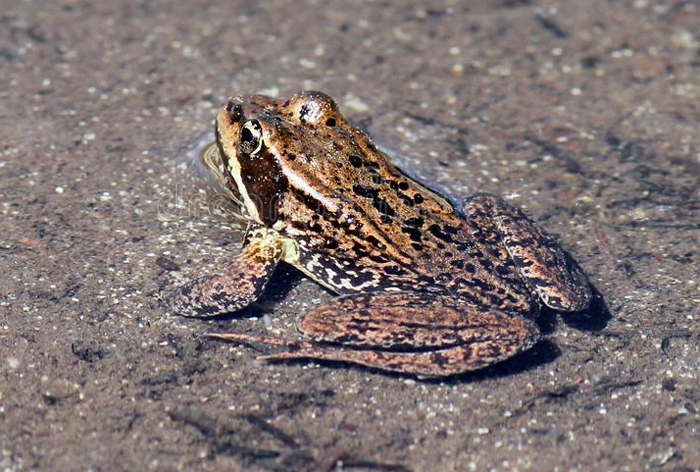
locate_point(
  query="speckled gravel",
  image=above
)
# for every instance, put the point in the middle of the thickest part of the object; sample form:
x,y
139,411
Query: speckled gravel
x,y
586,113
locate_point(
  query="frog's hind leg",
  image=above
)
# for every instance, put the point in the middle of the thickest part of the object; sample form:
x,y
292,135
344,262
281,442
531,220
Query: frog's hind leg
x,y
417,333
238,286
551,272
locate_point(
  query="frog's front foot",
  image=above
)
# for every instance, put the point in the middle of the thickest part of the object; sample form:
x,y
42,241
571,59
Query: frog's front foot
x,y
415,333
238,286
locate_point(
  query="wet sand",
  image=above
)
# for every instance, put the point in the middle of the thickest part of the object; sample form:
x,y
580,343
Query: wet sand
x,y
585,113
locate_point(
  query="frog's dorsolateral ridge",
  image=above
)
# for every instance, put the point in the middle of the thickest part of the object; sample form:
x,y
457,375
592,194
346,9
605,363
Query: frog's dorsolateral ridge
x,y
423,288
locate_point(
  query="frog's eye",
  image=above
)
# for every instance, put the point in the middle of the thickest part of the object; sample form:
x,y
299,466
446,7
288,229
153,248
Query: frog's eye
x,y
250,141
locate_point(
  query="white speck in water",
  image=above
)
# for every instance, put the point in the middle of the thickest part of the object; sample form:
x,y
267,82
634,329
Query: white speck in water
x,y
267,321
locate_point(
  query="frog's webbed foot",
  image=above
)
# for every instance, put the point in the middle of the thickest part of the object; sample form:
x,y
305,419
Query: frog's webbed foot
x,y
551,272
417,333
238,286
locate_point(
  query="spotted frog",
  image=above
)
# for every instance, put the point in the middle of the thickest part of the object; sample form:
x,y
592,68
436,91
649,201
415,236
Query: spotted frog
x,y
423,287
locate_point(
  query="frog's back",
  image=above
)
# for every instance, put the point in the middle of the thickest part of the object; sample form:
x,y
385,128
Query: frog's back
x,y
390,232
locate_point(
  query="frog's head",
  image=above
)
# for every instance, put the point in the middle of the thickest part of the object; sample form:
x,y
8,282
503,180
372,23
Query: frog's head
x,y
268,147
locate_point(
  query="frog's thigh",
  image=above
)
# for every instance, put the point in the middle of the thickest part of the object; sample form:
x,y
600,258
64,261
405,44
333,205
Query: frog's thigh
x,y
237,287
439,336
552,273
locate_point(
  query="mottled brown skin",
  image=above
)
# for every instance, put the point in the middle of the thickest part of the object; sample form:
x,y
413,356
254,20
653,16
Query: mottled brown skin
x,y
425,288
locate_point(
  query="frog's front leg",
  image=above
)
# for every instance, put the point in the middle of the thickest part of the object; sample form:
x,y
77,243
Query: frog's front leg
x,y
549,270
238,286
419,333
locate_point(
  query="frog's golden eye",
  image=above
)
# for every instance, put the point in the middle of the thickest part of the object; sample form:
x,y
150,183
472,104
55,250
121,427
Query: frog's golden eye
x,y
250,141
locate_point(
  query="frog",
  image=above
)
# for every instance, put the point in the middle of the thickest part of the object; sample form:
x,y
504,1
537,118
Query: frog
x,y
423,286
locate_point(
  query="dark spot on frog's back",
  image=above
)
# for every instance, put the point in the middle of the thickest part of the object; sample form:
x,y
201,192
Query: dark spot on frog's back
x,y
365,191
375,242
408,201
383,207
414,233
394,270
330,243
424,279
504,269
439,233
355,161
360,250
414,222
378,259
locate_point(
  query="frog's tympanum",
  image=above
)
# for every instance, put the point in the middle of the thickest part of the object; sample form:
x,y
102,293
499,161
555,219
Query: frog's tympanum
x,y
423,287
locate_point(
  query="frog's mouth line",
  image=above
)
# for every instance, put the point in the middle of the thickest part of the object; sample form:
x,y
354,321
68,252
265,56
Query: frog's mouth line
x,y
211,158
